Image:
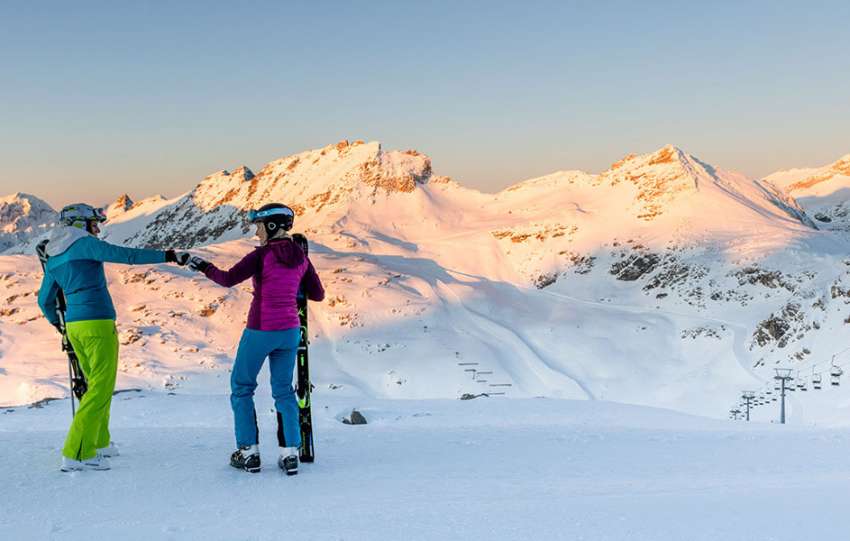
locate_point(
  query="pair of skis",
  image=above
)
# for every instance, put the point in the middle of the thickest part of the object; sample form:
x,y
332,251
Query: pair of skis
x,y
77,379
303,386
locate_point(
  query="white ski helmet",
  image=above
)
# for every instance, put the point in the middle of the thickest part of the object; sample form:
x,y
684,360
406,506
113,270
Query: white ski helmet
x,y
81,215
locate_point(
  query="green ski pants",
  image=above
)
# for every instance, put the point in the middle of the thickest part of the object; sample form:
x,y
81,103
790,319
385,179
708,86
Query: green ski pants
x,y
96,344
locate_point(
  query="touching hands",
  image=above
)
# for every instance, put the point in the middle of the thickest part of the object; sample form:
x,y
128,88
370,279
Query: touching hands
x,y
181,258
198,264
185,258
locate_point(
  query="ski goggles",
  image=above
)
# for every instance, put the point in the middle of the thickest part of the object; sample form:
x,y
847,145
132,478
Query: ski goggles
x,y
99,215
257,215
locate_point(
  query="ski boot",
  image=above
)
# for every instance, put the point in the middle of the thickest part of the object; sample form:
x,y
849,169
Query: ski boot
x,y
246,458
109,451
288,460
97,462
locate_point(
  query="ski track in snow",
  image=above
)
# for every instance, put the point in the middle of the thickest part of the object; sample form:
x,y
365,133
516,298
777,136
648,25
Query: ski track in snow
x,y
493,330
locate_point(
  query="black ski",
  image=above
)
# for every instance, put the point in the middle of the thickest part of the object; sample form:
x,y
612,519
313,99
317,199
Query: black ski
x,y
303,385
78,382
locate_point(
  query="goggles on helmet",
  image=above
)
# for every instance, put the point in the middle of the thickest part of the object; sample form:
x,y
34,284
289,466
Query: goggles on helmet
x,y
255,216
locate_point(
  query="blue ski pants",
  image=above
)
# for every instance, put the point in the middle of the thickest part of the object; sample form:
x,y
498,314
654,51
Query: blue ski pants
x,y
280,348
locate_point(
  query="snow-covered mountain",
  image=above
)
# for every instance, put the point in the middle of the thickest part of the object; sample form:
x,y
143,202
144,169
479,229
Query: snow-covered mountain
x,y
119,207
662,281
23,217
319,184
824,192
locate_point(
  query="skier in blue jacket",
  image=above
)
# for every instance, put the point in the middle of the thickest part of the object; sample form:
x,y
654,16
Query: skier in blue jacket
x,y
75,265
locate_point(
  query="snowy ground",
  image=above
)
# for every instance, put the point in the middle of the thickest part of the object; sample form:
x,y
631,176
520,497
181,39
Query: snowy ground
x,y
437,469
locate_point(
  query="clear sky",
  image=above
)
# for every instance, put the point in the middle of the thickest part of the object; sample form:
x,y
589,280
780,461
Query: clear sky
x,y
101,98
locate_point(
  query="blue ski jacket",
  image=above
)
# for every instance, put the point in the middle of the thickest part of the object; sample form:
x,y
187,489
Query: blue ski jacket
x,y
75,264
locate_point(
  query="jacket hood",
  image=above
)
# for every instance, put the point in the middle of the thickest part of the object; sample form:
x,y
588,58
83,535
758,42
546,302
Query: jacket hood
x,y
62,238
286,251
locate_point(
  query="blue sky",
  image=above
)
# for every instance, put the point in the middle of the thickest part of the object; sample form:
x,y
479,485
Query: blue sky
x,y
101,98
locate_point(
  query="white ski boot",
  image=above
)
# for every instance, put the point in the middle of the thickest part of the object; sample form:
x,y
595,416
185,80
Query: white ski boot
x,y
288,460
109,451
97,462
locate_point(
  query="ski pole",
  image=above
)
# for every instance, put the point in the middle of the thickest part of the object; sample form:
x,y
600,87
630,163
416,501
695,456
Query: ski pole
x,y
71,387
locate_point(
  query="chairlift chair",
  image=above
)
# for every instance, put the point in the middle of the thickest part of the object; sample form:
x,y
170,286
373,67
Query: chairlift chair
x,y
816,381
835,375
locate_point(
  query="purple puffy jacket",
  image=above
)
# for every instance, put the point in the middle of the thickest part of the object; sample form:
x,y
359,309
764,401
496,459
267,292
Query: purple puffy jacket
x,y
278,269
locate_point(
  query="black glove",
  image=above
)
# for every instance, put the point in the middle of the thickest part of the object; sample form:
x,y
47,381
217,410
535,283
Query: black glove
x,y
181,258
198,264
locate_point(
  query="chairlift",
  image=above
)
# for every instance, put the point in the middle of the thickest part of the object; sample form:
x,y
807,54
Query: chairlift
x,y
835,374
816,381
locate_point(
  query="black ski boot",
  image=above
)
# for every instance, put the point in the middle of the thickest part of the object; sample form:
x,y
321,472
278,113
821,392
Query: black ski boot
x,y
246,458
288,460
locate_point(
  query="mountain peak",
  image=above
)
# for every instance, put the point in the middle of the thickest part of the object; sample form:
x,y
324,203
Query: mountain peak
x,y
659,177
119,206
665,154
124,201
668,153
240,174
842,165
23,217
21,197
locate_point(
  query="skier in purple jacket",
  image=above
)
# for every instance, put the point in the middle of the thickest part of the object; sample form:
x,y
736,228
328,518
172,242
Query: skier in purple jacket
x,y
278,267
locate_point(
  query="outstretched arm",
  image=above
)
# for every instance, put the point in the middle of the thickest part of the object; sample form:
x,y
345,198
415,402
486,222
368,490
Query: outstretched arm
x,y
240,272
103,251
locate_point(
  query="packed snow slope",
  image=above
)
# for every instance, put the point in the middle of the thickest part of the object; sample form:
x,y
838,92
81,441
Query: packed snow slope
x,y
430,470
663,281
